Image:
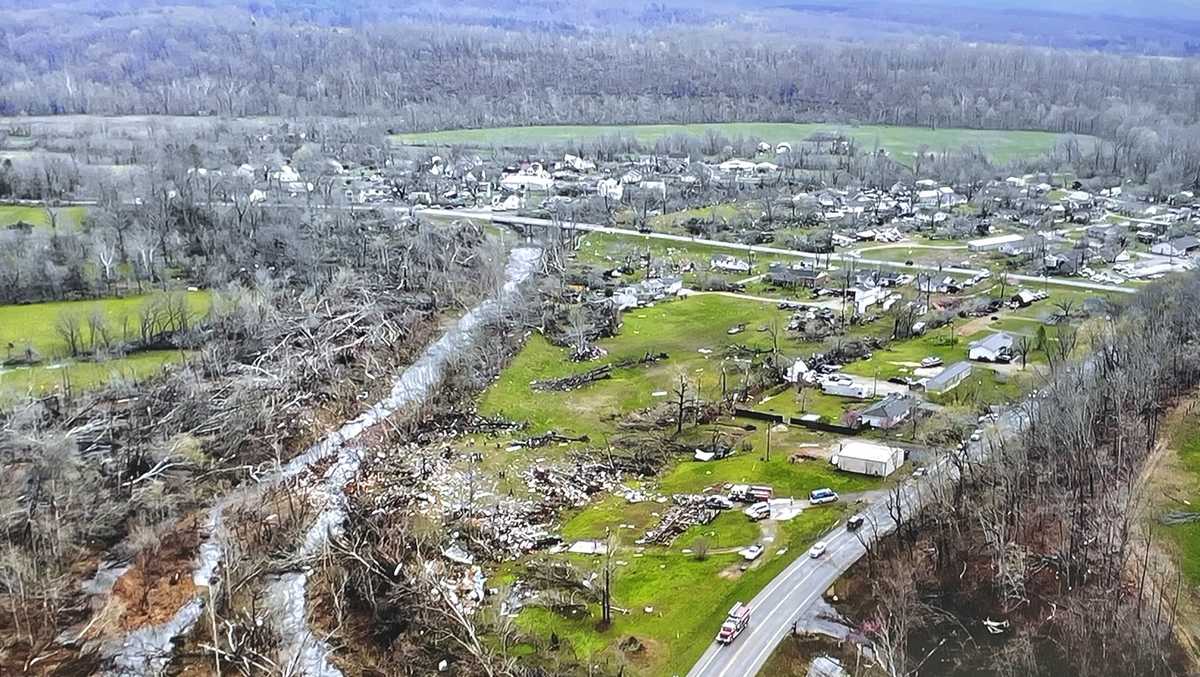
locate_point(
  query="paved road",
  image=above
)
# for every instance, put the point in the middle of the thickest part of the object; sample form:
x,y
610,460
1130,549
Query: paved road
x,y
774,610
503,218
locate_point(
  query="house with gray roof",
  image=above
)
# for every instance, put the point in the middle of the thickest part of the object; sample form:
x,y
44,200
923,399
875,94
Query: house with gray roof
x,y
889,412
949,378
994,348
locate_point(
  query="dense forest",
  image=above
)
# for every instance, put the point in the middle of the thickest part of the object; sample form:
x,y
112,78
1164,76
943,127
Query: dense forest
x,y
186,61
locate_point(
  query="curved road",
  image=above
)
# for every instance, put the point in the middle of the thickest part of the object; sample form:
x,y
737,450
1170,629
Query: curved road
x,y
774,610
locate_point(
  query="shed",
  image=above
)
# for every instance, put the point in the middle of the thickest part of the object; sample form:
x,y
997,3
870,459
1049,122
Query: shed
x,y
865,458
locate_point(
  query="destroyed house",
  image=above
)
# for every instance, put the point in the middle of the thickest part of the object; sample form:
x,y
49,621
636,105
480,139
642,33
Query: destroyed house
x,y
792,277
877,278
730,264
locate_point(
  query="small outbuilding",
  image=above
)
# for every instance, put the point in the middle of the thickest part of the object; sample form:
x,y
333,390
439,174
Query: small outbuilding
x,y
866,458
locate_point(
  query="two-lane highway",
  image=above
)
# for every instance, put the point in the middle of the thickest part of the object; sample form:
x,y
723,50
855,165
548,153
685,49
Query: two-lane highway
x,y
774,610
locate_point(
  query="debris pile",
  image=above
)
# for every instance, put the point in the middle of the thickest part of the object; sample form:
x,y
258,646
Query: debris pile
x,y
510,529
599,373
538,441
570,486
689,510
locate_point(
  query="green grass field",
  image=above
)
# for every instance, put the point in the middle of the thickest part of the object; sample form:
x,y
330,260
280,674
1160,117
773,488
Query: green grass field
x,y
68,218
84,375
680,328
34,326
687,597
1184,484
902,142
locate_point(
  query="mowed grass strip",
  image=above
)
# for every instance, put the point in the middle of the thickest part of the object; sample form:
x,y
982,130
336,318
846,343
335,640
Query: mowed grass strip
x,y
903,142
36,324
1183,467
66,218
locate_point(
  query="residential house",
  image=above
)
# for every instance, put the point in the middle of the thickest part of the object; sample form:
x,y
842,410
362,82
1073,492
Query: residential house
x,y
865,297
792,277
1181,246
1066,262
889,412
994,348
729,264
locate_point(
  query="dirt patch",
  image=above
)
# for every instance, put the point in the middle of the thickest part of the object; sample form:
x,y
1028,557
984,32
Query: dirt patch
x,y
156,586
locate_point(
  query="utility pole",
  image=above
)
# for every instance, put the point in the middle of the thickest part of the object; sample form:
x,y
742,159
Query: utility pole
x,y
768,458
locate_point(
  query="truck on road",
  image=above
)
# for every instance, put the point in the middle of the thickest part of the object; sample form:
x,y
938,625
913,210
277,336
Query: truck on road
x,y
737,621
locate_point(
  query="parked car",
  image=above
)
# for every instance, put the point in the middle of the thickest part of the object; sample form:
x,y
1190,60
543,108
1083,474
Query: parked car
x,y
931,361
718,503
855,522
751,553
818,549
977,435
822,496
758,511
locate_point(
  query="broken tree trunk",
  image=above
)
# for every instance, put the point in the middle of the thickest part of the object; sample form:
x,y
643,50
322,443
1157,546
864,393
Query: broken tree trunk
x,y
596,374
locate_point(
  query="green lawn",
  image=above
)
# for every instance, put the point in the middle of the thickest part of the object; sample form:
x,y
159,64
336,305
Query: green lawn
x,y
688,597
899,358
1184,484
35,324
68,218
84,375
946,255
727,211
902,142
680,328
810,401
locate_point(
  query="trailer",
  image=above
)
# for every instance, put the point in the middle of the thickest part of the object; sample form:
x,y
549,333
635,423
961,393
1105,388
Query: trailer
x,y
737,621
751,493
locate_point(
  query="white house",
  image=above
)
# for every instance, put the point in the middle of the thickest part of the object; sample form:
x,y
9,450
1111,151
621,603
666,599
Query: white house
x,y
995,242
1181,246
865,458
736,165
865,297
994,348
531,179
846,389
730,264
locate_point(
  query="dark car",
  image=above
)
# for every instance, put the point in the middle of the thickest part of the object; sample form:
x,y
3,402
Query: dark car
x,y
854,522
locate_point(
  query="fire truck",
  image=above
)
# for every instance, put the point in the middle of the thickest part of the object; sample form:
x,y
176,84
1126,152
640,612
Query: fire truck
x,y
737,621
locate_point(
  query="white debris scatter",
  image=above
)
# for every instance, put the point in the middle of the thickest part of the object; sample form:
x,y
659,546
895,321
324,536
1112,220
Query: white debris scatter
x,y
147,650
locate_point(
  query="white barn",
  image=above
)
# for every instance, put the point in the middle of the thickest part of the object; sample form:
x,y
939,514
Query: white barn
x,y
865,458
